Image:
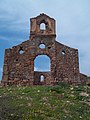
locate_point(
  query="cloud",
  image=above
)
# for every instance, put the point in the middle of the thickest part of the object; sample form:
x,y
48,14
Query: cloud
x,y
35,69
72,22
1,69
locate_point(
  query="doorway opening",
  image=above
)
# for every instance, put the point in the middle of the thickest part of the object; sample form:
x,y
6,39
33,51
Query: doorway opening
x,y
42,63
42,78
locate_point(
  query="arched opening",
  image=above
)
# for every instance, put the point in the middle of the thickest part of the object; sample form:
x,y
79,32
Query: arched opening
x,y
42,46
42,26
42,63
42,78
21,51
63,52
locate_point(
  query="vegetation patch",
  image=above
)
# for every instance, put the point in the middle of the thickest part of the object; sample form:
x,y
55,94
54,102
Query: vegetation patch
x,y
60,102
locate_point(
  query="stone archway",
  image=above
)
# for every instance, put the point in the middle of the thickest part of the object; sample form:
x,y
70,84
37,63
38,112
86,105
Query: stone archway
x,y
42,63
42,69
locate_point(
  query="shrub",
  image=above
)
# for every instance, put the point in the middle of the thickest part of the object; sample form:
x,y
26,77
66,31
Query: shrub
x,y
63,84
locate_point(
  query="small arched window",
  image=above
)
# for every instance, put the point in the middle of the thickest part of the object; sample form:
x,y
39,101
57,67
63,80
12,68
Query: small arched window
x,y
63,52
42,46
41,78
21,51
42,26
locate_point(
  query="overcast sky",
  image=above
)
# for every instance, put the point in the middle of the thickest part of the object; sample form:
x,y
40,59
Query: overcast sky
x,y
72,22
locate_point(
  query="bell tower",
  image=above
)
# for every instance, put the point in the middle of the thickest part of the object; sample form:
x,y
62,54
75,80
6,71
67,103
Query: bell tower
x,y
43,32
42,25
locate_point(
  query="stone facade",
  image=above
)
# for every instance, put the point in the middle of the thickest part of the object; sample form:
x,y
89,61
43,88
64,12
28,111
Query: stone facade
x,y
19,60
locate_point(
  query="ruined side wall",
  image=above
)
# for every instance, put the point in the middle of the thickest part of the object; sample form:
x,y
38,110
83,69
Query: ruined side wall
x,y
83,78
67,64
19,64
5,66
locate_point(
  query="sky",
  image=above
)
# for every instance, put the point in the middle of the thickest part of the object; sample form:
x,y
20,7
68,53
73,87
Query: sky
x,y
72,25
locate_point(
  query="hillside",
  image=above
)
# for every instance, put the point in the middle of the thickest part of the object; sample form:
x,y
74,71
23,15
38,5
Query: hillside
x,y
61,102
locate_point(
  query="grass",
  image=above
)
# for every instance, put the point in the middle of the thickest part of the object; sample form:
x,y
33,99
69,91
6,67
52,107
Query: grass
x,y
60,102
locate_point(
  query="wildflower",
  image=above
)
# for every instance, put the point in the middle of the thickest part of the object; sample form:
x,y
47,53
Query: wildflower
x,y
11,114
80,116
68,101
27,98
72,95
71,88
21,97
38,91
10,91
29,104
21,104
84,94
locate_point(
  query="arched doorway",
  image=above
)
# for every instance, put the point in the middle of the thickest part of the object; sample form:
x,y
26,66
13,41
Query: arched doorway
x,y
41,69
42,63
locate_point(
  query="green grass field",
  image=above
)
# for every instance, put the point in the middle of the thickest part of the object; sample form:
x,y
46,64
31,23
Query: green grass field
x,y
60,102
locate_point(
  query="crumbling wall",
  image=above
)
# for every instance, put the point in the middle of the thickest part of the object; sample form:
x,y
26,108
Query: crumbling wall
x,y
38,78
83,78
19,60
67,64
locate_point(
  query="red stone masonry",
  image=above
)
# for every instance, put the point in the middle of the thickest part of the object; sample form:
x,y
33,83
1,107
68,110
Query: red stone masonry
x,y
19,60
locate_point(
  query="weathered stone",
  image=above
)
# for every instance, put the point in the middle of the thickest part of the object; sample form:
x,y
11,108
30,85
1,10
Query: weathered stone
x,y
18,66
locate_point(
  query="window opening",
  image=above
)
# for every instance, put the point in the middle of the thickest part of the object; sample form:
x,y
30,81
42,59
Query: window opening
x,y
21,51
16,59
41,78
42,63
42,46
49,47
42,26
63,52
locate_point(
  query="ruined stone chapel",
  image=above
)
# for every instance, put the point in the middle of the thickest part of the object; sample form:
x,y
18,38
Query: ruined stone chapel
x,y
19,60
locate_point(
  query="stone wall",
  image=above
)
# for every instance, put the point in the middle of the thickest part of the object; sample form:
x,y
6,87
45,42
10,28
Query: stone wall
x,y
67,66
19,60
83,78
42,78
